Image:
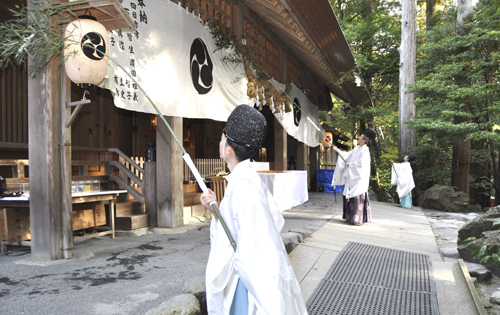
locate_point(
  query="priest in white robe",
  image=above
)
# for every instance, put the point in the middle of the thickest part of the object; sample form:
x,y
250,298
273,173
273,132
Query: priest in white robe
x,y
402,176
353,171
257,277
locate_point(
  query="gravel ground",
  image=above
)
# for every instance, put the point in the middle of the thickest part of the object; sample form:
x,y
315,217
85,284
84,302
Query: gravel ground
x,y
128,274
132,274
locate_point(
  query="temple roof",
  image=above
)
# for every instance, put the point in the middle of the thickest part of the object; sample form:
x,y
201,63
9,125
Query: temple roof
x,y
310,30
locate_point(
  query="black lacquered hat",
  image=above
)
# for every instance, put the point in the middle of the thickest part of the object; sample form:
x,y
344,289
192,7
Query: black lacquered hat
x,y
246,126
370,133
412,156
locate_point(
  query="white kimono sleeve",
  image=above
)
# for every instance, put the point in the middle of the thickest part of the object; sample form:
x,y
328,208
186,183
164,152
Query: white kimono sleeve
x,y
358,172
220,278
395,173
340,169
261,260
402,175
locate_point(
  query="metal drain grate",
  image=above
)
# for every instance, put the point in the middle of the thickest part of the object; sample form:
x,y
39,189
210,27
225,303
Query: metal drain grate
x,y
371,280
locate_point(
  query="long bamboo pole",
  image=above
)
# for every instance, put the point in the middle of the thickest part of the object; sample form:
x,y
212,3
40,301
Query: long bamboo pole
x,y
185,155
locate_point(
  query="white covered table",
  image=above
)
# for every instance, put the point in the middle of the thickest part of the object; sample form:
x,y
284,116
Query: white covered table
x,y
289,188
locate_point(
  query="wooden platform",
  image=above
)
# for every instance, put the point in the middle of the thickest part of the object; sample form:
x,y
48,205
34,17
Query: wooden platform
x,y
88,211
192,193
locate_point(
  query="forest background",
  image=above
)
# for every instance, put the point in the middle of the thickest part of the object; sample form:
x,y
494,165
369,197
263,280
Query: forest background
x,y
456,91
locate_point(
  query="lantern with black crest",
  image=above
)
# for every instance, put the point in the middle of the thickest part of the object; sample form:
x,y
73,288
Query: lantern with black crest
x,y
87,40
327,142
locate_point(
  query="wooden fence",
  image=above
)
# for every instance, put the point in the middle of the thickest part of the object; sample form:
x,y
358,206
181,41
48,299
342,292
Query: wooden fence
x,y
139,161
206,168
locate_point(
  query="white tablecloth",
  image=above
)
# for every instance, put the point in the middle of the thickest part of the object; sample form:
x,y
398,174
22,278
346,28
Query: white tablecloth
x,y
288,188
80,194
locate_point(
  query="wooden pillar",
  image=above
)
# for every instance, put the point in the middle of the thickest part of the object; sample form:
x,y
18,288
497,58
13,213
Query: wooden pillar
x,y
301,156
313,165
169,174
47,178
150,192
280,146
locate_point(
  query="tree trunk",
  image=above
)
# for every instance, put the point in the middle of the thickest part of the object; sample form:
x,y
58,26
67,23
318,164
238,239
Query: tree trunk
x,y
496,179
429,14
460,164
407,75
461,148
464,8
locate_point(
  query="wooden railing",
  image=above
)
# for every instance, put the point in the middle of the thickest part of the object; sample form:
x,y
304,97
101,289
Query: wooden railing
x,y
118,168
219,187
206,167
131,180
138,161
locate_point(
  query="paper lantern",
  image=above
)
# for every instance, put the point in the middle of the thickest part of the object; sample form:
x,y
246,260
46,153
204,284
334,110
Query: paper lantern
x,y
87,39
329,136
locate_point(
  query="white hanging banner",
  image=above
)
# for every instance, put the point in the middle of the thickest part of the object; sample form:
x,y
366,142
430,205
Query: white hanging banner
x,y
302,124
171,55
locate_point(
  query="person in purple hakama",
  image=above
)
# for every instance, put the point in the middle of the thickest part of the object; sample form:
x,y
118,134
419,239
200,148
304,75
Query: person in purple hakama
x,y
353,171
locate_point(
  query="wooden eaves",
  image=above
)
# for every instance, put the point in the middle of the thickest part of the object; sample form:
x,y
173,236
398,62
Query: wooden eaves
x,y
110,13
311,31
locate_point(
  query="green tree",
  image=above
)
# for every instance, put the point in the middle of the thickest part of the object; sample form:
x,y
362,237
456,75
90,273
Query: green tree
x,y
458,77
373,30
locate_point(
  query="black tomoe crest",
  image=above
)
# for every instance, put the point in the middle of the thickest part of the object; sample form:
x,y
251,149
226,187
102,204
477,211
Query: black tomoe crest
x,y
201,67
297,114
93,46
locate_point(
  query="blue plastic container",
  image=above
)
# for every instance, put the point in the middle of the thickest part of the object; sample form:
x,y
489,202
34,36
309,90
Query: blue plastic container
x,y
324,176
330,189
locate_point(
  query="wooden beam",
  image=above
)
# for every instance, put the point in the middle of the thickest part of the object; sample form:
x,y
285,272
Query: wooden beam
x,y
169,178
44,103
110,13
149,192
280,146
66,171
50,155
313,165
301,156
76,103
73,115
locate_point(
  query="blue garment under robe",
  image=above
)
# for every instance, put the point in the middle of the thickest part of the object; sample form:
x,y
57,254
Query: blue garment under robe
x,y
239,306
405,202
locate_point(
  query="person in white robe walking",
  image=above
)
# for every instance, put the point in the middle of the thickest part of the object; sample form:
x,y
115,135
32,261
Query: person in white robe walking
x,y
402,176
353,171
257,277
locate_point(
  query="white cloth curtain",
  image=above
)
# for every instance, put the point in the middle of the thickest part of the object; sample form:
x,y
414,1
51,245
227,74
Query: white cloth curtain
x,y
295,122
159,56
